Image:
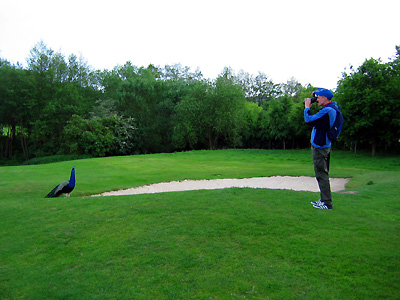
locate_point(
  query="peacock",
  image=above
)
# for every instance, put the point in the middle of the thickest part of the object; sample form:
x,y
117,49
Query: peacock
x,y
65,187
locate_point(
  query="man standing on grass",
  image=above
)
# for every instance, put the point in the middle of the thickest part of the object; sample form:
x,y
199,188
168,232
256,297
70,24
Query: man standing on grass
x,y
322,121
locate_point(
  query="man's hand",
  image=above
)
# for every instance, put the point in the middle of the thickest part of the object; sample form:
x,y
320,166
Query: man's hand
x,y
307,103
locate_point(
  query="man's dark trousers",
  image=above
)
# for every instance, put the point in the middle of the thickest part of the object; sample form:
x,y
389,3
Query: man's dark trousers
x,y
321,158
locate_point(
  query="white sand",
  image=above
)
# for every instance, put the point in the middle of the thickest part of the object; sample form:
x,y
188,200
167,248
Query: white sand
x,y
301,183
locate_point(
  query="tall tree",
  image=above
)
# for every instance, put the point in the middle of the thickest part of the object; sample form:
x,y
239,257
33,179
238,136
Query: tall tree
x,y
251,131
226,104
209,114
40,61
394,95
60,90
138,96
15,108
370,103
178,72
278,119
258,89
292,88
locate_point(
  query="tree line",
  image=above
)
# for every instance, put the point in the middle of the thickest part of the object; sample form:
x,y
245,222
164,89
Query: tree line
x,y
61,105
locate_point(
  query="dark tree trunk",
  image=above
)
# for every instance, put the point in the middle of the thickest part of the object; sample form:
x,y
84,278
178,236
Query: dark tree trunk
x,y
24,144
373,148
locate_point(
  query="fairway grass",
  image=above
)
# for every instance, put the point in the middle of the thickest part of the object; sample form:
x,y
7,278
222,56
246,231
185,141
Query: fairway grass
x,y
236,243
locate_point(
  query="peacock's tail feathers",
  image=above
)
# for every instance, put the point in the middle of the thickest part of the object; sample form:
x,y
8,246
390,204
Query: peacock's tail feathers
x,y
52,193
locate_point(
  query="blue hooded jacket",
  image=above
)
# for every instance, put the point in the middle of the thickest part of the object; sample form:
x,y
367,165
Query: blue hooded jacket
x,y
321,122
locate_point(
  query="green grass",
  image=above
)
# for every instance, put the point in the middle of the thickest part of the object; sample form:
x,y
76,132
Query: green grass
x,y
220,244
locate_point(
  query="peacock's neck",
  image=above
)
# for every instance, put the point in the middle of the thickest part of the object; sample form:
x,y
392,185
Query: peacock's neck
x,y
72,179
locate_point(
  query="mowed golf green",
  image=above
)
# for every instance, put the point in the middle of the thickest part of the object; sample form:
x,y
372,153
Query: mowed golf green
x,y
208,244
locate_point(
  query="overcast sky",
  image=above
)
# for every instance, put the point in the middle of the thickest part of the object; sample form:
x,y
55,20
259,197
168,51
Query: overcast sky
x,y
310,40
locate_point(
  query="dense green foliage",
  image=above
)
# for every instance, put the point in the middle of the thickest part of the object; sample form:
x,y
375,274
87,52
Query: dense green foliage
x,y
370,100
60,105
215,244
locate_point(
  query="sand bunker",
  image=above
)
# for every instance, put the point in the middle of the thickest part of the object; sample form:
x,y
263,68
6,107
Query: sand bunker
x,y
301,183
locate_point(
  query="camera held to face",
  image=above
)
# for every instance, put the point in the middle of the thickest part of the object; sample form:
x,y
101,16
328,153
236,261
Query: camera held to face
x,y
313,99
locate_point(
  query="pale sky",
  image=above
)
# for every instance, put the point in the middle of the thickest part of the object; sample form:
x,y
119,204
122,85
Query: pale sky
x,y
313,41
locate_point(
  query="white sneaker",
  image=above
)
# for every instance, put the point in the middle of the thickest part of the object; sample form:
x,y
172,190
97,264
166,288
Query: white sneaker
x,y
316,202
322,206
